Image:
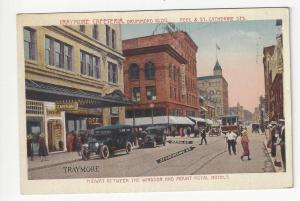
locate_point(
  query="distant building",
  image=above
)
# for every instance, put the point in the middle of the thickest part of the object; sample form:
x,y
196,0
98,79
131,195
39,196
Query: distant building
x,y
247,116
206,111
160,71
239,111
255,116
214,89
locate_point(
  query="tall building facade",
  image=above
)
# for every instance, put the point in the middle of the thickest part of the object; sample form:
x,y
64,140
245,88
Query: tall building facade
x,y
160,75
214,89
74,80
273,74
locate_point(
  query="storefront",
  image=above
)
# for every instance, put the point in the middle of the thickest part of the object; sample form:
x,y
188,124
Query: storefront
x,y
57,110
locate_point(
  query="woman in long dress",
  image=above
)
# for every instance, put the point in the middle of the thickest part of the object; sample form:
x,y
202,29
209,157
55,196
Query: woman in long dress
x,y
245,144
43,152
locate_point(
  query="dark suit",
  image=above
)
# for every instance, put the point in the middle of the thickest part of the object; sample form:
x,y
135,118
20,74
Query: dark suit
x,y
282,146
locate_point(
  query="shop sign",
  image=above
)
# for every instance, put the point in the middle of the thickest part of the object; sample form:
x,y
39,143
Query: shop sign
x,y
57,132
66,106
94,121
182,79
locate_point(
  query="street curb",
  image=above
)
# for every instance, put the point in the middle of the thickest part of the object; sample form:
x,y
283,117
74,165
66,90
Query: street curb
x,y
270,157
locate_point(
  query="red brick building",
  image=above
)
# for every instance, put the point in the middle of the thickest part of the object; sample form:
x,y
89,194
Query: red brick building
x,y
160,71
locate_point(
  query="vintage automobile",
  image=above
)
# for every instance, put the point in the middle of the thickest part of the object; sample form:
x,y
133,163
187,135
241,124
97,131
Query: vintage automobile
x,y
230,123
215,130
153,136
255,128
107,140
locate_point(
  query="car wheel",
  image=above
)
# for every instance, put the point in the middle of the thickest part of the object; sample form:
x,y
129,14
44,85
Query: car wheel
x,y
104,152
154,144
128,147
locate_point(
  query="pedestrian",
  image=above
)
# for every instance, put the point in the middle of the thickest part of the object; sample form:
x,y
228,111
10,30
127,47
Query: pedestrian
x,y
277,161
188,130
78,144
29,146
203,137
184,131
273,140
70,139
231,142
282,143
43,152
245,144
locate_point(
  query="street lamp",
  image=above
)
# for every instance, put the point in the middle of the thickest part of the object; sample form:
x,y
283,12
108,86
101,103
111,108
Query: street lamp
x,y
152,106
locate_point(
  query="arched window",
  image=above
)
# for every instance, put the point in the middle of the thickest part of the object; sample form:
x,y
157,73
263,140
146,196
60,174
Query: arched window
x,y
134,71
149,71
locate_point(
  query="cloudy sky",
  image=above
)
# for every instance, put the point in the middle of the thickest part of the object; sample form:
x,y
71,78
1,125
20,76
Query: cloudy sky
x,y
240,54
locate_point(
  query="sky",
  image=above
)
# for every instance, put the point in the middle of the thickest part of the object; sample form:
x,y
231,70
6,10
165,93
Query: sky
x,y
240,56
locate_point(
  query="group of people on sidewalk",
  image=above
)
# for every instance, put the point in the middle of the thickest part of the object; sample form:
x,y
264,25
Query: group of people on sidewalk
x,y
231,141
275,134
42,148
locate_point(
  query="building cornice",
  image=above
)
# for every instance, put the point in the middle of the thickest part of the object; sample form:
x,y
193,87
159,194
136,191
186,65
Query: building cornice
x,y
155,49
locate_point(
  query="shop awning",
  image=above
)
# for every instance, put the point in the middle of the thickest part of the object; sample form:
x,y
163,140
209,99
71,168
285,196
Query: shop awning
x,y
198,119
49,92
160,120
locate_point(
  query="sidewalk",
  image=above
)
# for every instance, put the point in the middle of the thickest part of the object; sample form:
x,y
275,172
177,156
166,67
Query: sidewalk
x,y
53,160
277,169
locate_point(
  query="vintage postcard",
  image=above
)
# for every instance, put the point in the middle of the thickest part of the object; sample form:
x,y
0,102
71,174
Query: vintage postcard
x,y
173,100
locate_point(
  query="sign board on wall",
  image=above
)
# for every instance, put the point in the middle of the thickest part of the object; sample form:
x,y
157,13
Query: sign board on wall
x,y
182,79
66,106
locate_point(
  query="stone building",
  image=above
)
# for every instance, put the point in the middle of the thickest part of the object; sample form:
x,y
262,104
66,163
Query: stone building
x,y
214,89
160,75
74,80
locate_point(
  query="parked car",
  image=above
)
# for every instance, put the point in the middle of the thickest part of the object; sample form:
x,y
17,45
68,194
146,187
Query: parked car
x,y
153,136
107,140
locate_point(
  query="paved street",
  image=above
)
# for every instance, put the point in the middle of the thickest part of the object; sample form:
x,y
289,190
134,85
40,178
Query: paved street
x,y
204,159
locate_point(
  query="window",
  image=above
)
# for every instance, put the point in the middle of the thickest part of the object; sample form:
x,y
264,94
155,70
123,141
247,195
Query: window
x,y
58,54
29,44
151,92
113,38
89,65
82,28
149,71
134,71
112,72
107,35
136,94
95,31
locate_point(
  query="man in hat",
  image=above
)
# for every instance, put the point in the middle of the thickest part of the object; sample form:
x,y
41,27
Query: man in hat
x,y
282,143
231,141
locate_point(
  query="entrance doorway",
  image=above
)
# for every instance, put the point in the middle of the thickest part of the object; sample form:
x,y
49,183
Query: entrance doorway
x,y
55,135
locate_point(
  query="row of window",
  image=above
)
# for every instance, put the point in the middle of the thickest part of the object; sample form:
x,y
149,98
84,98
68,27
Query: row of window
x,y
60,54
210,83
150,93
134,71
110,34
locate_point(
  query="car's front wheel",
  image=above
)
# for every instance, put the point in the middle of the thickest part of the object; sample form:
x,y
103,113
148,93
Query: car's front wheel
x,y
128,147
104,152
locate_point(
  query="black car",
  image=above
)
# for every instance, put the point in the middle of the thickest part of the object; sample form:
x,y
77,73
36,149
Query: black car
x,y
107,140
153,136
